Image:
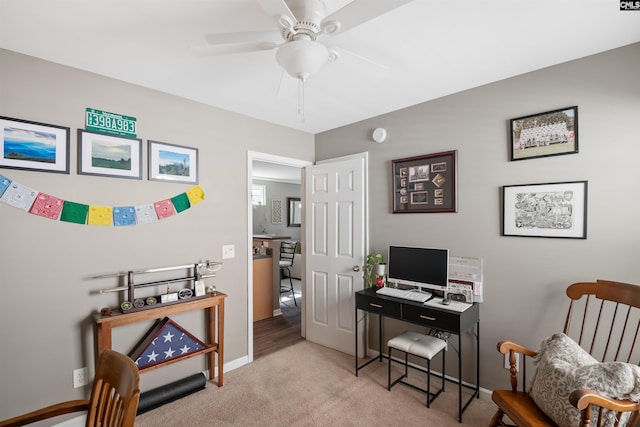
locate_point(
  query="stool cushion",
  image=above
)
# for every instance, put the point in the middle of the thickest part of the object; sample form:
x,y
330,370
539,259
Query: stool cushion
x,y
421,345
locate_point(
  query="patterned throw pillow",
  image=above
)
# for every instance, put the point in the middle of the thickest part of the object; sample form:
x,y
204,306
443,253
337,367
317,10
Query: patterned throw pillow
x,y
563,366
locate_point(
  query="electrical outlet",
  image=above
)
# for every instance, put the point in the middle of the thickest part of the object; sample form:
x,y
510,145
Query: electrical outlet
x,y
506,362
80,377
228,251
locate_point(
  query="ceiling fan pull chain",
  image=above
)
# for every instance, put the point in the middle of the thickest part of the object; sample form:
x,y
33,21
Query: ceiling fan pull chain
x,y
301,100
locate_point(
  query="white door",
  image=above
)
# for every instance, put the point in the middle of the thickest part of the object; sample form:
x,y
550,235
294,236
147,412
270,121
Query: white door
x,y
335,240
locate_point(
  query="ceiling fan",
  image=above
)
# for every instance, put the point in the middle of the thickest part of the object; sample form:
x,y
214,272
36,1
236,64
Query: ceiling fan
x,y
301,25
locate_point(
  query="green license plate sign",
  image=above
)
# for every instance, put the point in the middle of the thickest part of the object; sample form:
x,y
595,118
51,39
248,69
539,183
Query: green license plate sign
x,y
105,122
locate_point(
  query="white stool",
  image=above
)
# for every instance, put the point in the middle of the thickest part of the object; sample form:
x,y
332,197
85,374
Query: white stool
x,y
422,346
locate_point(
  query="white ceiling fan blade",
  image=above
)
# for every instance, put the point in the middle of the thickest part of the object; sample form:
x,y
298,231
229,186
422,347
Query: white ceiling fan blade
x,y
277,8
360,11
241,37
231,49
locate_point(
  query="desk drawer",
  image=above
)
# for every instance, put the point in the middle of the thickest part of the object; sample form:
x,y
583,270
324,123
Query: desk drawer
x,y
378,305
432,318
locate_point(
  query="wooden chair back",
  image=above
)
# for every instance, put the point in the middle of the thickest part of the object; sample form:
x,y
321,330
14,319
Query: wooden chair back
x,y
116,391
603,318
114,396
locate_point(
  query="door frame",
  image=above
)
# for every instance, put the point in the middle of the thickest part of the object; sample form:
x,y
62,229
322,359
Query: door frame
x,y
269,158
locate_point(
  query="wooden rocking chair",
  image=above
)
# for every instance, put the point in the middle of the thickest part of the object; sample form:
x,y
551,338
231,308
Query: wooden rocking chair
x,y
114,396
613,317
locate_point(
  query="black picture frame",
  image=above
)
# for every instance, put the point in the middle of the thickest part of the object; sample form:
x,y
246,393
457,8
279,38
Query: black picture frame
x,y
172,163
109,155
557,209
34,146
425,184
552,133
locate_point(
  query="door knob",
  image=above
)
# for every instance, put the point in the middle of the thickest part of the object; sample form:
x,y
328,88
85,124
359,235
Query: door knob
x,y
356,268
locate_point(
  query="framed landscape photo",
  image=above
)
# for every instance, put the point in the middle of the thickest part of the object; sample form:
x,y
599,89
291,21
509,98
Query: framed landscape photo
x,y
34,146
545,210
174,163
109,155
425,184
552,133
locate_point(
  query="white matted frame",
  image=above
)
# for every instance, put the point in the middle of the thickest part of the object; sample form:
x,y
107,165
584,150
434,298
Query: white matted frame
x,y
173,163
34,146
545,210
109,155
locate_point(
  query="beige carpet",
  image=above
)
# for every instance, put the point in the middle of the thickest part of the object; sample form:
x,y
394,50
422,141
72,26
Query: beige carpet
x,y
310,385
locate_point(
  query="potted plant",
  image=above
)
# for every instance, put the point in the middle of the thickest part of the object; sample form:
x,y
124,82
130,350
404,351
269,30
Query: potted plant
x,y
374,261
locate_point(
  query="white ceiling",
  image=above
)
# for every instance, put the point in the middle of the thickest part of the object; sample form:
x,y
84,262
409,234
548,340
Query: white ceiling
x,y
429,49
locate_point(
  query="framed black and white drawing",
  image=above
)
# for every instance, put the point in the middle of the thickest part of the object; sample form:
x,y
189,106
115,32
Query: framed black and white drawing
x,y
109,155
552,133
34,146
174,163
545,210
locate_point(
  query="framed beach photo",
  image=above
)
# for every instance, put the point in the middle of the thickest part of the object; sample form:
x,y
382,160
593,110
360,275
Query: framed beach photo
x,y
173,163
109,155
552,133
556,209
425,184
34,146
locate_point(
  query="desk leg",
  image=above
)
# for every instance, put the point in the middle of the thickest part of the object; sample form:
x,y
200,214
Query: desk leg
x,y
221,343
103,338
211,323
478,360
380,337
460,378
356,328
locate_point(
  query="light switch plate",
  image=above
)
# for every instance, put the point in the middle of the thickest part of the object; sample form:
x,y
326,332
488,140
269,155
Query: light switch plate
x,y
228,251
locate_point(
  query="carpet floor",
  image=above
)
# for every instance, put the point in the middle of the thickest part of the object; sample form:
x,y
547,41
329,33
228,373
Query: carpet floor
x,y
310,385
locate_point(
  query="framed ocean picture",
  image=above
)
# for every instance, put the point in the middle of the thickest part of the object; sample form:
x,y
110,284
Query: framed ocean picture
x,y
34,146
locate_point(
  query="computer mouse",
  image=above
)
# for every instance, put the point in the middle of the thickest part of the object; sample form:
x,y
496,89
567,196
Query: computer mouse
x,y
446,301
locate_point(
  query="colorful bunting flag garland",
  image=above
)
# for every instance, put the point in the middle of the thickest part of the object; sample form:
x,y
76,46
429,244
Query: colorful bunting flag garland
x,y
29,200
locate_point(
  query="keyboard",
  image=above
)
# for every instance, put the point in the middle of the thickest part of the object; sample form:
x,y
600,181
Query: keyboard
x,y
410,294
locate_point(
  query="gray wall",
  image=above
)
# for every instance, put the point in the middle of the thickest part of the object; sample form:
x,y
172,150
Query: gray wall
x,y
524,278
47,294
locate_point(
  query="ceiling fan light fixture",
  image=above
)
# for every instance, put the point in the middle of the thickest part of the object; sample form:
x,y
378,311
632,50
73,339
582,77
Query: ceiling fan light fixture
x,y
302,58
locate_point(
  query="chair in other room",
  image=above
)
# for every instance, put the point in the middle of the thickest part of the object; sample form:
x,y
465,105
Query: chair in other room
x,y
288,251
586,371
114,396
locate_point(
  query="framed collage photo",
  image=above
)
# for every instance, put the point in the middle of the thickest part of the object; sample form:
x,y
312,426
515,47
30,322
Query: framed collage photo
x,y
172,163
545,210
552,133
109,155
34,146
425,184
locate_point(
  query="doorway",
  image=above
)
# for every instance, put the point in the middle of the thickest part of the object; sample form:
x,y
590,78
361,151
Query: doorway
x,y
280,180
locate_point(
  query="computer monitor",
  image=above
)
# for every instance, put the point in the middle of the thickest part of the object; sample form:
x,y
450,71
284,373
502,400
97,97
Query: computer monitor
x,y
421,267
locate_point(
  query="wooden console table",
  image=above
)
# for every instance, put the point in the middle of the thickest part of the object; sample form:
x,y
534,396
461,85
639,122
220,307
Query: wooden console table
x,y
104,324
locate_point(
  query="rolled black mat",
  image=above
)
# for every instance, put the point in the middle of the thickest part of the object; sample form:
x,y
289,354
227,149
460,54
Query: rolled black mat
x,y
168,393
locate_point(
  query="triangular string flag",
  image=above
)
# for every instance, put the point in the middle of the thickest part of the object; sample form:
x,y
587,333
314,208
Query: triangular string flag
x,y
41,204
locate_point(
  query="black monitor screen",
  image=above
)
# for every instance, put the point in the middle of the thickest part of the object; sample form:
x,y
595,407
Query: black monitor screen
x,y
423,267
